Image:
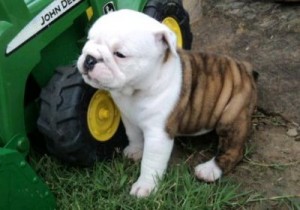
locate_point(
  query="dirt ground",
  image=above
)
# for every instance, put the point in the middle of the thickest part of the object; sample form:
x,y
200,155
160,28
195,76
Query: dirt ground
x,y
268,35
271,168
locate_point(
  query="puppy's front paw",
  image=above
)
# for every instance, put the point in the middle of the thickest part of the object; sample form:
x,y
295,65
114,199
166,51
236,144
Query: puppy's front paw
x,y
208,171
142,189
133,153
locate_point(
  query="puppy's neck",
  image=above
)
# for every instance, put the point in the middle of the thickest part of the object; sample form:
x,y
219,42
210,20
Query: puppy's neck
x,y
162,76
129,91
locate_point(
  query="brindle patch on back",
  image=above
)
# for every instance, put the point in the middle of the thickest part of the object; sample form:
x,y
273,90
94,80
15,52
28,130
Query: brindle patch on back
x,y
214,88
216,92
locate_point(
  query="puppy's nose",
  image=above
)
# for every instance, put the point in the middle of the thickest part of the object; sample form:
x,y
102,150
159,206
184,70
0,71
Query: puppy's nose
x,y
89,63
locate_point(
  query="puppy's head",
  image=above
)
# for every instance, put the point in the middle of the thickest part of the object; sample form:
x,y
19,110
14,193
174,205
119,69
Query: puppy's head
x,y
123,49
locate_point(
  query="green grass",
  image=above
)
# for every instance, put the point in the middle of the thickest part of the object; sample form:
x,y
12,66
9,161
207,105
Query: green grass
x,y
107,186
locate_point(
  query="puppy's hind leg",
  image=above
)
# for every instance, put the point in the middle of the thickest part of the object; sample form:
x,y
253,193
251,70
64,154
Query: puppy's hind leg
x,y
134,150
232,137
208,171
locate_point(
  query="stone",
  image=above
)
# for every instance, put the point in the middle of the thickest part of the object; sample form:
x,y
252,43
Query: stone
x,y
292,132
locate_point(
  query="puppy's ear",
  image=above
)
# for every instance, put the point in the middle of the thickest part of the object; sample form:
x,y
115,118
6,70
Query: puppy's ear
x,y
168,39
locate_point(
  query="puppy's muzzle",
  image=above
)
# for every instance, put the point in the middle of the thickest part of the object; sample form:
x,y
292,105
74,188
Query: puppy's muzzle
x,y
90,62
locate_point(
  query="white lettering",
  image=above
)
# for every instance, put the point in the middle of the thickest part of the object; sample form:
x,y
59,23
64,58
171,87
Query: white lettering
x,y
66,3
51,14
44,18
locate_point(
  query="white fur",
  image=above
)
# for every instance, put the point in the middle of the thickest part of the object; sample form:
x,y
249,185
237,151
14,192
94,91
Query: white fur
x,y
208,171
134,150
201,132
141,113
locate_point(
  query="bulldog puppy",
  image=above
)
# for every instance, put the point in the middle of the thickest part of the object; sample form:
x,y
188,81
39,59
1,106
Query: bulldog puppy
x,y
163,92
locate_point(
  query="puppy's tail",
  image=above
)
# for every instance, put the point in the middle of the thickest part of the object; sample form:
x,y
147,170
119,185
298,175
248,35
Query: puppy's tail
x,y
250,70
255,75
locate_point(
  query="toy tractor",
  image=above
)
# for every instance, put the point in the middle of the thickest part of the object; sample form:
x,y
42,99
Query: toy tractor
x,y
43,99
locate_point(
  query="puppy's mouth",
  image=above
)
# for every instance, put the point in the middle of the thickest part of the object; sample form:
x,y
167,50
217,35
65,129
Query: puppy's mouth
x,y
95,83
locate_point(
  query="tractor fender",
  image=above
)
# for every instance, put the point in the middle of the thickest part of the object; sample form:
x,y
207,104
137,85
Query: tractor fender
x,y
137,5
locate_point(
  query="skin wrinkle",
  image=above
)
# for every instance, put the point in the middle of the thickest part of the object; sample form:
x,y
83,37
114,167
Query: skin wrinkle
x,y
240,96
196,97
191,120
217,83
201,94
224,95
187,87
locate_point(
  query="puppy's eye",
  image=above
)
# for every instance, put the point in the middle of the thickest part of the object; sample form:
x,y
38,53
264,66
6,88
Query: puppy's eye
x,y
120,55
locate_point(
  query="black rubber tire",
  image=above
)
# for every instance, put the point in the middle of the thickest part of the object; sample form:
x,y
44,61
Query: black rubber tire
x,y
63,120
160,9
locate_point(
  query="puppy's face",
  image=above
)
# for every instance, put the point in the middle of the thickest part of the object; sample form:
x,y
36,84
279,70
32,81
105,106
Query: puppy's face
x,y
123,48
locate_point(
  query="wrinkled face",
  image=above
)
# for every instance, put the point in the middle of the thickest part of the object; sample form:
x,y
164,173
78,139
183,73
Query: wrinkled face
x,y
123,47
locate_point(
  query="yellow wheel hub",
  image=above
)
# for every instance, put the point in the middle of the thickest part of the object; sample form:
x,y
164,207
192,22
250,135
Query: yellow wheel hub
x,y
174,26
103,116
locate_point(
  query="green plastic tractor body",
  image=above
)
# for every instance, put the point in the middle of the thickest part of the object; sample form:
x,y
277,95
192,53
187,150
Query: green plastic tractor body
x,y
36,36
